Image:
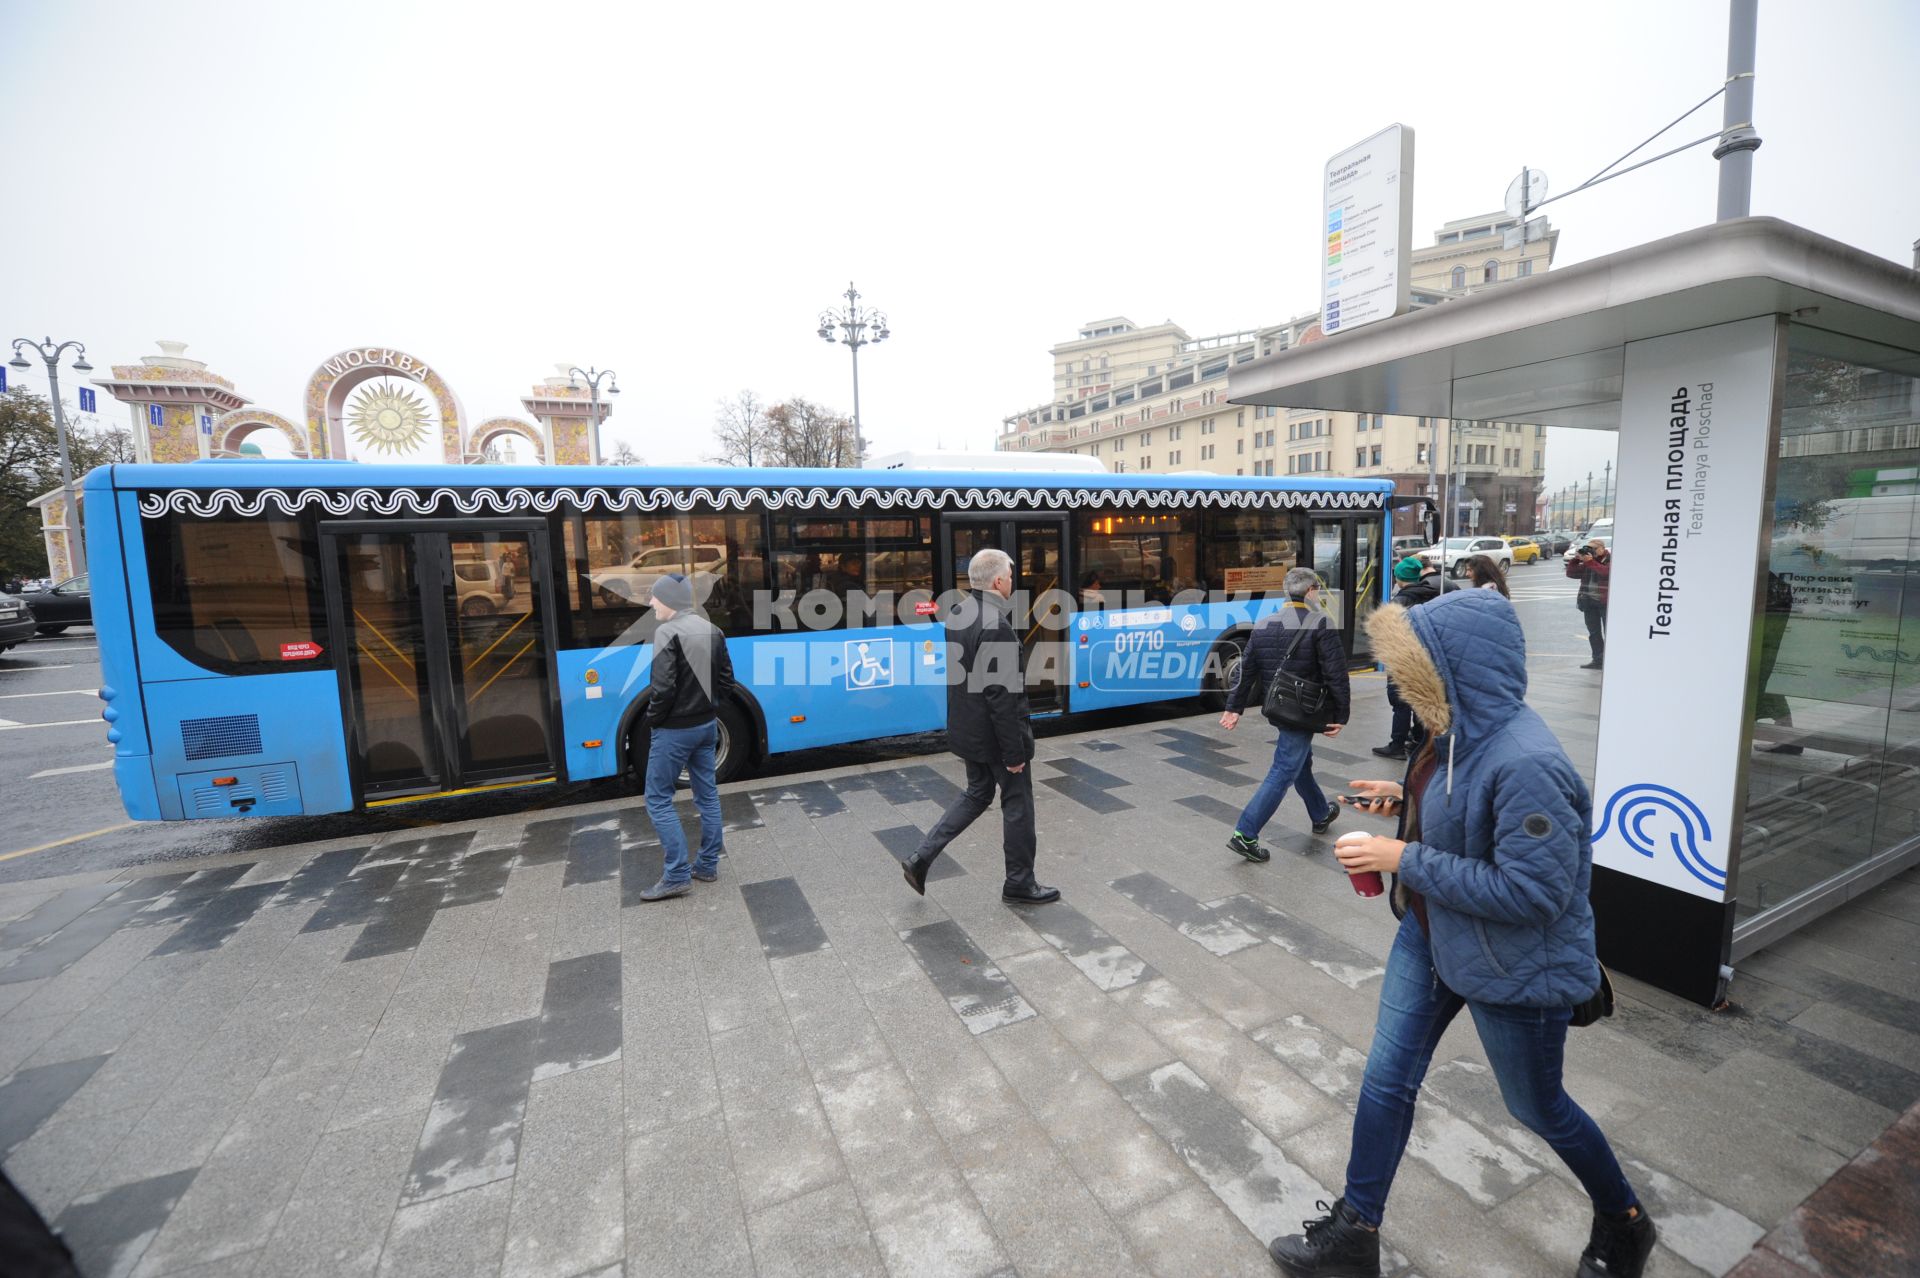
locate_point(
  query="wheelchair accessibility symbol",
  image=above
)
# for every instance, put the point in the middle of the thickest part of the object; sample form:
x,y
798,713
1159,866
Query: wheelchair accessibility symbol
x,y
864,669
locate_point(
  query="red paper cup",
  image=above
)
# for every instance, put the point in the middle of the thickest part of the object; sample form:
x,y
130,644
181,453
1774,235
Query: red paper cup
x,y
1368,883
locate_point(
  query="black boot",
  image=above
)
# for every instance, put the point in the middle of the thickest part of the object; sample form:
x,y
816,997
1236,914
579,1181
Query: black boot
x,y
915,869
1335,1246
1618,1248
1029,893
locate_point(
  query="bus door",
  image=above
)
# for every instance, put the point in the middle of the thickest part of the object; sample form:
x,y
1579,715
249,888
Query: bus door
x,y
447,636
1350,555
1037,544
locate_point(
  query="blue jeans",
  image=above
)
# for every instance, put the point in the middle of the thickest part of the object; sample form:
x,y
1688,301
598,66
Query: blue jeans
x,y
1525,1046
673,749
1292,767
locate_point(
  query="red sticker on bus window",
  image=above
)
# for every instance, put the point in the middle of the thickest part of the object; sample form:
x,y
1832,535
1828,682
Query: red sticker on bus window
x,y
925,608
306,650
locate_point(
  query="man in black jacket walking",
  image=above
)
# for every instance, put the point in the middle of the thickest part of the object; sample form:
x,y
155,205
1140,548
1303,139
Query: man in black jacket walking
x,y
1300,639
988,727
692,674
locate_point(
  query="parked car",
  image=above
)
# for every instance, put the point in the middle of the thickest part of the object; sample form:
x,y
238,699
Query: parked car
x,y
1454,551
1525,549
67,604
1404,546
1553,543
633,584
16,621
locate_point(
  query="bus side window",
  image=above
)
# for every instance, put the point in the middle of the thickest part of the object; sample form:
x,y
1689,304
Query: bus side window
x,y
229,592
1250,551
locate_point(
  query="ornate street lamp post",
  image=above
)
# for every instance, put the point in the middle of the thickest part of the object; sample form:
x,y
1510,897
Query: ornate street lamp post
x,y
854,328
51,353
594,377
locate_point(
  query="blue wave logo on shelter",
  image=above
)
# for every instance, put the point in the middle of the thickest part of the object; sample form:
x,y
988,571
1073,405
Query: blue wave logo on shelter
x,y
1653,819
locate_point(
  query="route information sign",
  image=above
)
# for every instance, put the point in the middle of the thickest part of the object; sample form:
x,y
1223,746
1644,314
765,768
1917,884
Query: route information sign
x,y
1368,230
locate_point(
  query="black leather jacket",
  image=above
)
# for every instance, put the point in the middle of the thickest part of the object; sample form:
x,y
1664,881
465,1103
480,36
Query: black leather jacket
x,y
692,673
987,710
1319,655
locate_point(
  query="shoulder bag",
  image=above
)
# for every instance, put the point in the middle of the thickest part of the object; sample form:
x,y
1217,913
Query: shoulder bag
x,y
1294,703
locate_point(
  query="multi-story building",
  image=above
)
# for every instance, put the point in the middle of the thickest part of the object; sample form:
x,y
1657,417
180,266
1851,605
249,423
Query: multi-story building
x,y
1154,399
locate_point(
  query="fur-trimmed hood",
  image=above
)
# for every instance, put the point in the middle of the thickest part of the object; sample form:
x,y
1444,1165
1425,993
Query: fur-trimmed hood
x,y
1460,661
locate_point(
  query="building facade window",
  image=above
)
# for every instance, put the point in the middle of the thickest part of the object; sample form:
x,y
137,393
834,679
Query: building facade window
x,y
1458,278
1374,454
1490,273
1526,267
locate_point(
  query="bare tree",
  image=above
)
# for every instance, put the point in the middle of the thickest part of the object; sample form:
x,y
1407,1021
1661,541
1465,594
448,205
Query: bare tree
x,y
743,432
808,434
623,455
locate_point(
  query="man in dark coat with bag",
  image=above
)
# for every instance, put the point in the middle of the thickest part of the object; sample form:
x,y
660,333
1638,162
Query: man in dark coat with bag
x,y
989,728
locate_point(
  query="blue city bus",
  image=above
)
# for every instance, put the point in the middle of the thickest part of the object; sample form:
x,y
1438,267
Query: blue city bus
x,y
321,636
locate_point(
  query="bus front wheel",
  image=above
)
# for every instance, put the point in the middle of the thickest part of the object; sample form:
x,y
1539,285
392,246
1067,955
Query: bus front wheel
x,y
1223,670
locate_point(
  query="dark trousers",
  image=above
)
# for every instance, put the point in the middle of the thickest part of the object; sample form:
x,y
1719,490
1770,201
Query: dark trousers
x,y
1408,731
1016,817
1596,631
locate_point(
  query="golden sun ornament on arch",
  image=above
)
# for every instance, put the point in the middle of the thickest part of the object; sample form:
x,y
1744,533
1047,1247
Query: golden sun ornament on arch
x,y
388,419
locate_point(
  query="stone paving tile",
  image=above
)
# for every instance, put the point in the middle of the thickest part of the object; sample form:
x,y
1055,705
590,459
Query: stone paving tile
x,y
108,1232
1192,1232
1347,964
782,918
1089,947
822,1232
569,1199
336,1220
1205,927
830,1020
1097,1026
683,1213
1116,1156
30,1096
453,1236
977,991
1316,1055
398,1069
1043,1216
472,1132
962,1089
215,922
236,1198
580,1015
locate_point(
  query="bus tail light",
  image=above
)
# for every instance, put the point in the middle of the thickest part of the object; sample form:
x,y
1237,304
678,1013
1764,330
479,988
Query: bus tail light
x,y
226,780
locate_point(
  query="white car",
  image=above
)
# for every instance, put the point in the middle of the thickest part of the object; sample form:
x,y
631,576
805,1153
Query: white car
x,y
634,583
1455,551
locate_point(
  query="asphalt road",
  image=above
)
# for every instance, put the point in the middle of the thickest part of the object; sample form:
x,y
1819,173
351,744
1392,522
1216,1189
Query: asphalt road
x,y
62,814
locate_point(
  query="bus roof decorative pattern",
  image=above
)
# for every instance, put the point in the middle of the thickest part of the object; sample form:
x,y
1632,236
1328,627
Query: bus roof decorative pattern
x,y
512,501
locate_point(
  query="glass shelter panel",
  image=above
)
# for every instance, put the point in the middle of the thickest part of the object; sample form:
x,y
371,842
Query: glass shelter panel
x,y
1834,782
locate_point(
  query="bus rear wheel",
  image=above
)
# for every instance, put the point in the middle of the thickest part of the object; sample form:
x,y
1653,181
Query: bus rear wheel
x,y
732,754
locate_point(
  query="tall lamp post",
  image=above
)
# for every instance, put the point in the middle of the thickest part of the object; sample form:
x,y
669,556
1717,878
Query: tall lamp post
x,y
51,353
853,328
594,377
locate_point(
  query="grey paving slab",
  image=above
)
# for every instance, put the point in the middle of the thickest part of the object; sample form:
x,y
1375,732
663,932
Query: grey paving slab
x,y
569,1204
395,924
56,953
593,852
355,898
683,1212
54,913
398,1070
30,1096
977,991
1206,928
1093,797
1317,1055
1192,1232
313,881
821,1232
1097,1026
1089,947
782,918
236,1198
1116,1156
336,1220
215,922
1347,964
962,1089
453,1236
472,1132
108,1232
782,1148
831,1024
580,1019
1045,1219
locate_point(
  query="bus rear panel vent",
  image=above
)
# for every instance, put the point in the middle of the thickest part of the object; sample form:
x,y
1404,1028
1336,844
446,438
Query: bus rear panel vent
x,y
220,738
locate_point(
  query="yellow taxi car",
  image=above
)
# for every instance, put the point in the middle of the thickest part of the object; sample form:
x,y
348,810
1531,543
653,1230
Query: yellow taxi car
x,y
1525,549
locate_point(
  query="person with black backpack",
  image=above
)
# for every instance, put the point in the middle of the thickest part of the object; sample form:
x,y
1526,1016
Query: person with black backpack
x,y
1296,657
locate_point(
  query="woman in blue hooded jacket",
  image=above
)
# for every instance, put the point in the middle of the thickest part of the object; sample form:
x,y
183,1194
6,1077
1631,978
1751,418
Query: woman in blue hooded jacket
x,y
1493,865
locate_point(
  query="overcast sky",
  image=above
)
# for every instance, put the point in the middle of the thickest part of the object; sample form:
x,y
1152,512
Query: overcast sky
x,y
677,191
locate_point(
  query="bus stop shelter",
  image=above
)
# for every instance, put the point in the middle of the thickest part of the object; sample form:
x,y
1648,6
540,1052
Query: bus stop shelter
x,y
1758,758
